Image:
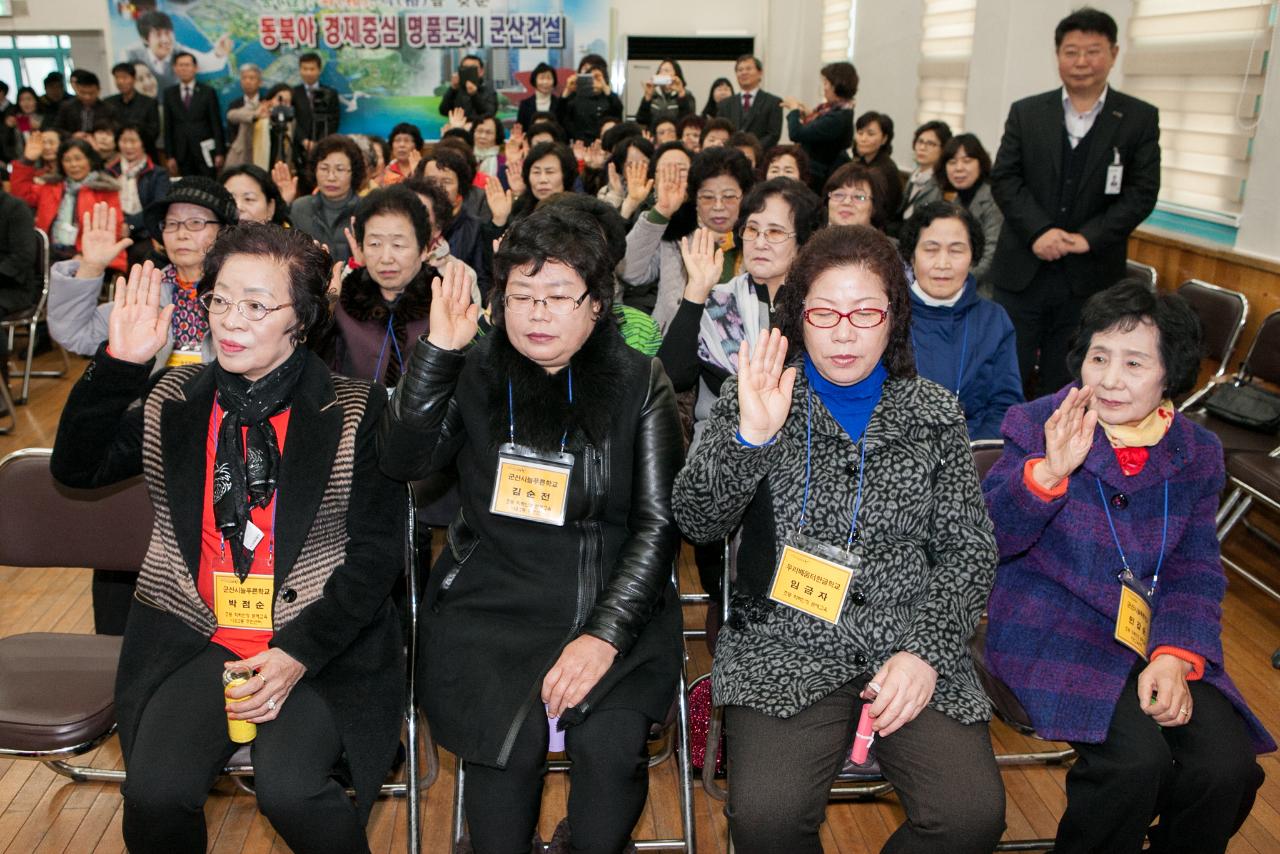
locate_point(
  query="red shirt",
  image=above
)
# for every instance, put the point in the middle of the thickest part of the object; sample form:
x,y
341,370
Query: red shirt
x,y
216,558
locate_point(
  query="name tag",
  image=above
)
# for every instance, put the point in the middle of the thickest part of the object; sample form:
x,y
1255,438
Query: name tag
x,y
1133,620
1115,176
244,605
812,583
530,485
178,358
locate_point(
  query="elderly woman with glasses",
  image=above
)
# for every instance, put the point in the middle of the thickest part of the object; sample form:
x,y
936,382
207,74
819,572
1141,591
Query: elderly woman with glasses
x,y
551,614
188,219
275,547
865,560
338,169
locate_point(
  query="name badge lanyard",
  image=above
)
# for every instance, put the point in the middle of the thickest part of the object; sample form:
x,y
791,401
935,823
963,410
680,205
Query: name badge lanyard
x,y
964,350
511,413
1126,573
222,540
390,333
808,474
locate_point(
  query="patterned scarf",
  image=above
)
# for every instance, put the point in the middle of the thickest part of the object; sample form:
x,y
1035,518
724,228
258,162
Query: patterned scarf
x,y
1131,443
245,471
824,108
190,323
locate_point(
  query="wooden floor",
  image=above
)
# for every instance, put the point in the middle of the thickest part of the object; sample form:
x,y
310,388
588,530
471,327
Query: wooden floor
x,y
42,812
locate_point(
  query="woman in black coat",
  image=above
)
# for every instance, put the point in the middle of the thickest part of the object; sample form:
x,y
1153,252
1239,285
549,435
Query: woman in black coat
x,y
826,132
553,598
300,599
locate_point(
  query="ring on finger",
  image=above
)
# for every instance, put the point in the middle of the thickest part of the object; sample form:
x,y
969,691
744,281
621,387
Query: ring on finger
x,y
1184,712
271,704
264,680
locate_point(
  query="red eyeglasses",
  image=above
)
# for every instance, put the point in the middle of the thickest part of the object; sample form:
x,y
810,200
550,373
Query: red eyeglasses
x,y
860,318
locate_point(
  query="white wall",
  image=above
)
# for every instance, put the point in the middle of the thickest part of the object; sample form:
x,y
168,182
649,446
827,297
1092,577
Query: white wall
x,y
886,52
1260,220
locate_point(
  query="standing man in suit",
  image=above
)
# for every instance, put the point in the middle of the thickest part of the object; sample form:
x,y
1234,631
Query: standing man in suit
x,y
1078,170
316,107
134,108
753,110
243,114
78,115
193,139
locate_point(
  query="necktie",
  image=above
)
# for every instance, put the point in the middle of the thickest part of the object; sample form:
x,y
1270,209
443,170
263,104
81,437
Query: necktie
x,y
746,101
186,96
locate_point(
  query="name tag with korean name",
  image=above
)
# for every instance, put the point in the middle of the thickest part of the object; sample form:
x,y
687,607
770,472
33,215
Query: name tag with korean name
x,y
1133,620
243,605
531,485
813,578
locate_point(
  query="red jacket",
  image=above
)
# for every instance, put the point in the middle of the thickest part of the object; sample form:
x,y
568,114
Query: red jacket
x,y
44,194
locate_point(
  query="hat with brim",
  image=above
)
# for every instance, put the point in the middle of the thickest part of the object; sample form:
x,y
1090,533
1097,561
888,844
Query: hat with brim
x,y
194,190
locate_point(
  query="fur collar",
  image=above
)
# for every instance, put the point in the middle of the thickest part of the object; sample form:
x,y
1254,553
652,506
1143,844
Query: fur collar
x,y
362,299
93,181
542,407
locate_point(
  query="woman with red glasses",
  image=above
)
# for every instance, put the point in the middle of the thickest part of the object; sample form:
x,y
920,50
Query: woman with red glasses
x,y
865,561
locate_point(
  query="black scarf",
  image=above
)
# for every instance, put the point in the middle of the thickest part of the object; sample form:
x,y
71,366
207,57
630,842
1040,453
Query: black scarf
x,y
241,479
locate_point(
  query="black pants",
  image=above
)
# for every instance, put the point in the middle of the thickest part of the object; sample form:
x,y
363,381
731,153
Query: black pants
x,y
608,784
112,595
182,745
1045,317
781,771
1199,778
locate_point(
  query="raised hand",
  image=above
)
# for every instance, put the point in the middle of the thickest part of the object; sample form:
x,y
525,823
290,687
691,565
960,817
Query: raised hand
x,y
452,324
458,118
673,185
34,149
570,86
138,327
515,176
579,151
764,388
616,190
1068,436
335,277
415,157
100,242
703,262
639,184
596,155
677,85
357,255
500,201
286,182
648,90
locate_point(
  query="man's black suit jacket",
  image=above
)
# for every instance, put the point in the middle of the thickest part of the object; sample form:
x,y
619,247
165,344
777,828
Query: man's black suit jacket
x,y
1027,177
764,119
186,127
305,117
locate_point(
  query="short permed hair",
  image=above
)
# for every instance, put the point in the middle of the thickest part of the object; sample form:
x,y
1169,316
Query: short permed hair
x,y
843,78
803,203
338,143
856,172
851,246
925,215
439,205
396,199
1126,304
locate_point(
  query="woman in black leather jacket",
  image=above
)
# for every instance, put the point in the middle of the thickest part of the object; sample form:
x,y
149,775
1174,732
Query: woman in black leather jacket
x,y
553,598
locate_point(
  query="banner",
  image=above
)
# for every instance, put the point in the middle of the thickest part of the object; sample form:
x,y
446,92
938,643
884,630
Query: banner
x,y
389,60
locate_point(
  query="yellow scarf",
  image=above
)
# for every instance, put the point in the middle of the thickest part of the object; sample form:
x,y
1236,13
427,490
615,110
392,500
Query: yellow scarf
x,y
1147,432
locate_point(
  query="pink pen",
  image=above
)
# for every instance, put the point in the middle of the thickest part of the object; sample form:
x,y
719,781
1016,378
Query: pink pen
x,y
864,735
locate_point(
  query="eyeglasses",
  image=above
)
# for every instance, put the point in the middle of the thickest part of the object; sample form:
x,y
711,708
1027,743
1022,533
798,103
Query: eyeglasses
x,y
189,225
725,199
829,318
927,143
325,169
841,198
771,235
251,309
557,305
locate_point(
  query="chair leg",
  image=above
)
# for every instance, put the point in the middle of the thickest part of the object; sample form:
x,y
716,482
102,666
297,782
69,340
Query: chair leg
x,y
10,409
32,329
1238,510
459,786
683,769
1224,510
83,774
413,803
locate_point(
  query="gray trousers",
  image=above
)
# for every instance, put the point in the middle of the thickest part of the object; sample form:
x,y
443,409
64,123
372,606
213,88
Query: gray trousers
x,y
781,771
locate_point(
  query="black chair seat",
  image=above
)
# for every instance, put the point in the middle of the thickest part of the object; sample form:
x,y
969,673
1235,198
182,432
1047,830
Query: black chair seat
x,y
1235,439
57,691
16,318
1002,698
1259,471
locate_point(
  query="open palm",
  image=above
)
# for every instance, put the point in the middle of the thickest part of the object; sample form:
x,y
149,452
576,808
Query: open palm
x,y
138,327
764,388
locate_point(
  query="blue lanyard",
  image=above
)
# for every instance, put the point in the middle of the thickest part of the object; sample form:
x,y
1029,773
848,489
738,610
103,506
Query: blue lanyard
x,y
511,412
1164,534
808,470
390,333
964,350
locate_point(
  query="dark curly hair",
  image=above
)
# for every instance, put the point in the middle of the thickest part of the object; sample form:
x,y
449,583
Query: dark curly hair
x,y
555,232
856,172
453,159
885,124
721,160
843,78
439,204
307,262
1126,304
91,154
337,143
851,246
260,177
925,215
970,145
796,152
802,202
408,129
396,199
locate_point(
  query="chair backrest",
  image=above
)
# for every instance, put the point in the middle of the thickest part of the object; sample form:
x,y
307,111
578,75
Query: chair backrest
x,y
45,524
985,454
1145,272
1263,361
1222,314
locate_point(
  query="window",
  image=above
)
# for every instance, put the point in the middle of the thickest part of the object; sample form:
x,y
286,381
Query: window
x,y
1202,63
25,60
945,48
837,30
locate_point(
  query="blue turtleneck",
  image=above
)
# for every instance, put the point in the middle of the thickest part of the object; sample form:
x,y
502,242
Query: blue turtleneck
x,y
850,405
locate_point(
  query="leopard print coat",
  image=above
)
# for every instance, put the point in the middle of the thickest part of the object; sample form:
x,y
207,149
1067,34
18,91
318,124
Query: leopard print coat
x,y
926,542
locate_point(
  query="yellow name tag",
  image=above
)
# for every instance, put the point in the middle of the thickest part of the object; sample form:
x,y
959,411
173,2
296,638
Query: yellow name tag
x,y
811,584
243,605
178,358
1133,620
532,490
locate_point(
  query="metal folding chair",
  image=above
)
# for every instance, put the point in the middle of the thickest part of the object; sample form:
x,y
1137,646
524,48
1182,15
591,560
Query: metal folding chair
x,y
1144,272
30,320
1222,314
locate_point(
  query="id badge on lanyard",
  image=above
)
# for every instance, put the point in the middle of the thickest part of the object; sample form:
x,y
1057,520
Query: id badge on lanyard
x,y
531,485
1133,614
244,605
812,576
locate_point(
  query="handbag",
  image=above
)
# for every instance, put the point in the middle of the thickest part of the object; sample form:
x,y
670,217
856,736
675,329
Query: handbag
x,y
1245,405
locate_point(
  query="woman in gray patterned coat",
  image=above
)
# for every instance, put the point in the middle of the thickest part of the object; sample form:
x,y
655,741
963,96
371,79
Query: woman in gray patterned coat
x,y
865,561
